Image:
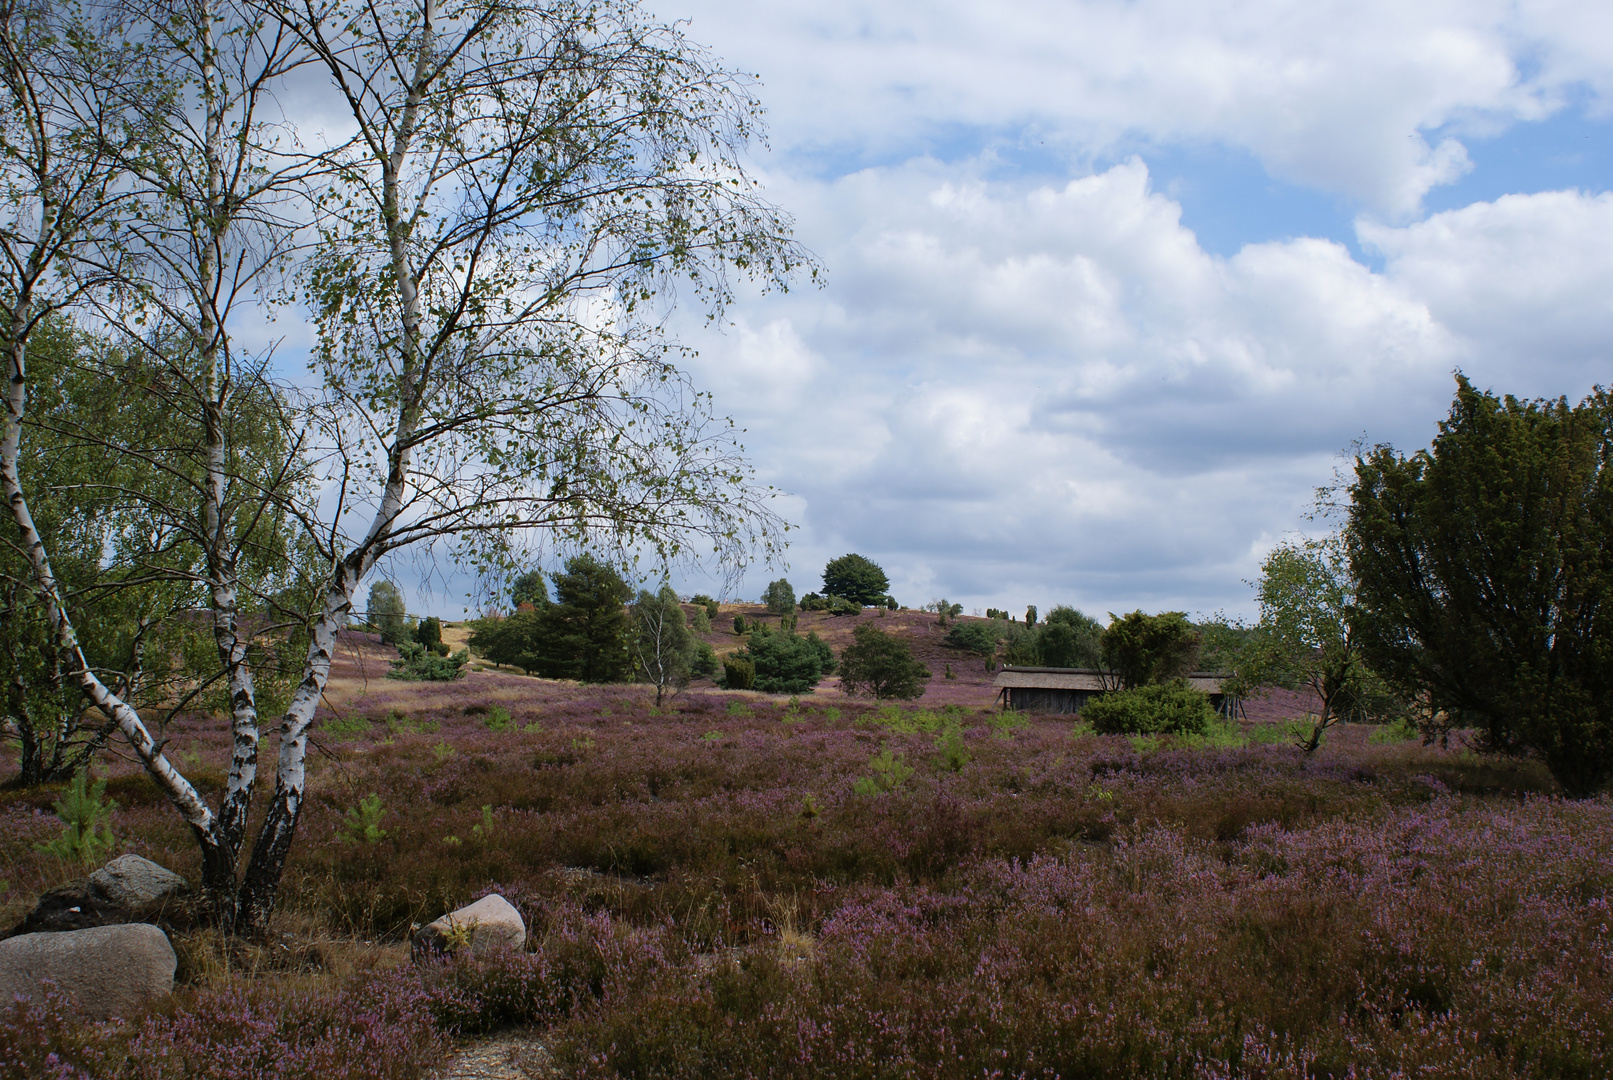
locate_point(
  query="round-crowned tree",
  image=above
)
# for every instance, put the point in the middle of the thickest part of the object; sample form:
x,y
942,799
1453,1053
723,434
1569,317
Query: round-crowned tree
x,y
858,579
881,665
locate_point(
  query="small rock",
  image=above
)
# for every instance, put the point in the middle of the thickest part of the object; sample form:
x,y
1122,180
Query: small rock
x,y
107,970
490,923
133,882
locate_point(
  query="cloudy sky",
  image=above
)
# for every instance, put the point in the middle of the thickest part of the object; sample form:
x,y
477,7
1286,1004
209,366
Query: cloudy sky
x,y
1111,285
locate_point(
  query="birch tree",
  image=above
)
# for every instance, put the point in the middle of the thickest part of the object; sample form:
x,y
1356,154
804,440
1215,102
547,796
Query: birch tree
x,y
139,177
662,644
528,182
526,185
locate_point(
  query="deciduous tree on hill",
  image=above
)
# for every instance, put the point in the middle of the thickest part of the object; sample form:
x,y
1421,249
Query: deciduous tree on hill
x,y
881,665
779,598
856,578
663,648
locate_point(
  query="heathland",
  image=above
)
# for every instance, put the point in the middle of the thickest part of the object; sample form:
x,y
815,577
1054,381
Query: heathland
x,y
743,885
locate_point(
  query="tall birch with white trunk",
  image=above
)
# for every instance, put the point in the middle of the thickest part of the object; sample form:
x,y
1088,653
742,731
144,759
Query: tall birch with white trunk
x,y
528,182
526,185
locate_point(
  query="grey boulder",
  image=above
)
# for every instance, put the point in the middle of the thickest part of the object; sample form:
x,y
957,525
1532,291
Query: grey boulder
x,y
106,970
132,882
126,890
490,923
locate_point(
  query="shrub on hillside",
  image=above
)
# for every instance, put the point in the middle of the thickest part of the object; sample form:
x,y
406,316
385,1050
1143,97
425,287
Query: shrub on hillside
x,y
416,663
1172,708
429,634
1070,639
738,673
788,663
975,637
704,663
702,600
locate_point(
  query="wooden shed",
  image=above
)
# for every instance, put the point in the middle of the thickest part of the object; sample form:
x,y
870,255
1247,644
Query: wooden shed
x,y
1067,690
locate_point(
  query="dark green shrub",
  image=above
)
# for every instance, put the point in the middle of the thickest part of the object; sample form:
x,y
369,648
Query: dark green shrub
x,y
704,662
1172,708
813,602
975,637
739,624
739,673
1150,648
706,602
429,633
789,664
416,663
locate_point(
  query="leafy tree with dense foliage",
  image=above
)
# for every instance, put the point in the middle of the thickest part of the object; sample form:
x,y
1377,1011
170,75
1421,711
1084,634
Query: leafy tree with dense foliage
x,y
529,587
663,648
1145,649
779,598
980,638
881,665
1484,577
583,634
387,612
1305,637
1070,639
856,578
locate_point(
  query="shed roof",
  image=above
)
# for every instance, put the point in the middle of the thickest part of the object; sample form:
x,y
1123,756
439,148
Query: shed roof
x,y
1051,678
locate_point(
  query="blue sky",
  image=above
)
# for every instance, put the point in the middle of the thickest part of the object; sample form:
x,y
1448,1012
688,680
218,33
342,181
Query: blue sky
x,y
1110,285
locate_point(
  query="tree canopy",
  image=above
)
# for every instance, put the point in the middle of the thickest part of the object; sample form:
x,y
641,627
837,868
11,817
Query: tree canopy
x,y
856,578
1146,649
779,597
881,665
1484,576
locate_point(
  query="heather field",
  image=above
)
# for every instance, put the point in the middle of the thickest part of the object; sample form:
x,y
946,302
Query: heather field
x,y
745,886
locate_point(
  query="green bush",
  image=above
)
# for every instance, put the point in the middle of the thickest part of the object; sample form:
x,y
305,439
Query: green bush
x,y
416,663
739,673
1172,708
704,664
975,637
702,600
429,634
789,664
